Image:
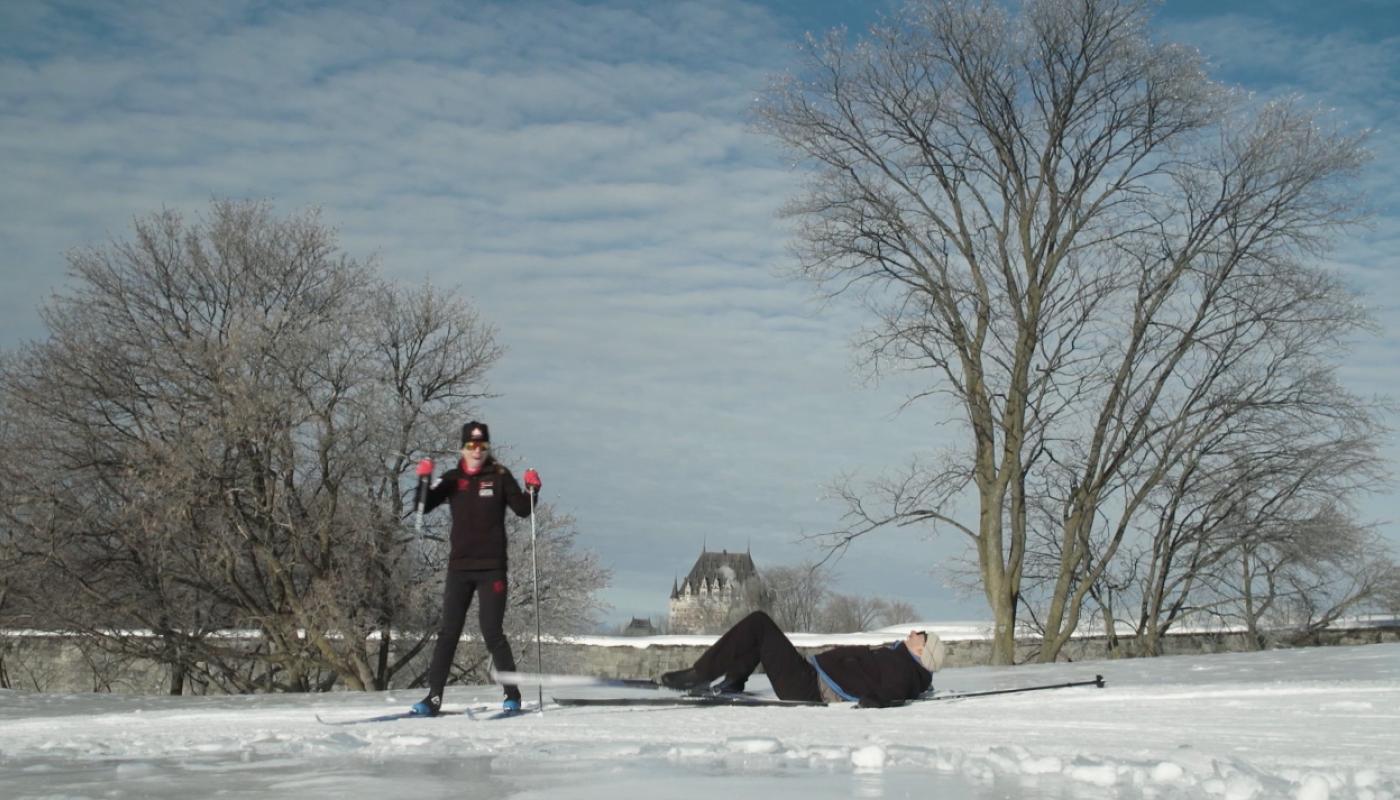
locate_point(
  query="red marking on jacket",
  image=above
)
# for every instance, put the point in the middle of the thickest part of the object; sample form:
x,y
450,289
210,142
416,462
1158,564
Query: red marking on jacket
x,y
499,587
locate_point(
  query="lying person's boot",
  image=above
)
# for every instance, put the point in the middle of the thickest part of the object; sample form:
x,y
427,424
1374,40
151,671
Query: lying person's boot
x,y
726,686
427,707
730,686
682,680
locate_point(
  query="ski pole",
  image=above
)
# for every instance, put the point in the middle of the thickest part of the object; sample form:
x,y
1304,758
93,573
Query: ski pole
x,y
420,492
420,496
535,571
1097,682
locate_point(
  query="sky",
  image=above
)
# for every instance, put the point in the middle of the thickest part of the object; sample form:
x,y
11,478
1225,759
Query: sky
x,y
1318,723
586,174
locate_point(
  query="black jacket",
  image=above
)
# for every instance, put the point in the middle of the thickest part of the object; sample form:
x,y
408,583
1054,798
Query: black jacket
x,y
478,504
877,676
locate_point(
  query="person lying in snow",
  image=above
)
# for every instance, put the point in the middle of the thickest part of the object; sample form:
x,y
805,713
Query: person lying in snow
x,y
874,677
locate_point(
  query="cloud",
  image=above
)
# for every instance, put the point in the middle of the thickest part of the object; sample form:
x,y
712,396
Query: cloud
x,y
584,173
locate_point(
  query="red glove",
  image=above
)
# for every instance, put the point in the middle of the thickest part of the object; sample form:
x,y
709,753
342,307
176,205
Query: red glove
x,y
532,480
425,468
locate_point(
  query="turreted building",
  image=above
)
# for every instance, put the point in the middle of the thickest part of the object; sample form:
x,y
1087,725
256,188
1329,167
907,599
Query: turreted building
x,y
721,588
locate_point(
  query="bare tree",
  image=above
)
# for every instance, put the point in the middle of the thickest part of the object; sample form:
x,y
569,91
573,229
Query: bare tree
x,y
797,594
845,613
216,434
897,612
1097,252
1263,479
1290,578
11,593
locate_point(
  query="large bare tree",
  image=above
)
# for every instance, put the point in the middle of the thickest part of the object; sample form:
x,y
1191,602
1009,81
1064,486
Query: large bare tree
x,y
1101,258
216,435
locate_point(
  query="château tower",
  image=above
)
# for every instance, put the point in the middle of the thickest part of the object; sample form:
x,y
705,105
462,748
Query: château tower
x,y
720,588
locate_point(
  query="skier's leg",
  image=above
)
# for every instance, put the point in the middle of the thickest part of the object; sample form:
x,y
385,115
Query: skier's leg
x,y
456,599
493,593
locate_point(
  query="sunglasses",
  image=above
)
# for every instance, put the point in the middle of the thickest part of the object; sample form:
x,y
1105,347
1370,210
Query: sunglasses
x,y
473,446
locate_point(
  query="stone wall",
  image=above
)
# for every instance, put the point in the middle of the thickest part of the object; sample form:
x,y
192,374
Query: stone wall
x,y
56,664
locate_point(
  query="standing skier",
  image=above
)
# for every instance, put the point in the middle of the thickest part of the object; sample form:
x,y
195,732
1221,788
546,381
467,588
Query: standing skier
x,y
478,490
874,677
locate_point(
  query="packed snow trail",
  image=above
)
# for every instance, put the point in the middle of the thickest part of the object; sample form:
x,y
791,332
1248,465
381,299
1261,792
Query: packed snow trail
x,y
1309,724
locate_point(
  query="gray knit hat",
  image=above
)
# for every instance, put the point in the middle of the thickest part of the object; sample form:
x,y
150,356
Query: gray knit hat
x,y
934,653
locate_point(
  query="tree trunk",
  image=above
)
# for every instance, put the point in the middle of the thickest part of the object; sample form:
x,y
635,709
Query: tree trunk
x,y
177,678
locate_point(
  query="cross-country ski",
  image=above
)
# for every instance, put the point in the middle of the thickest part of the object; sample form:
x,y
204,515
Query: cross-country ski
x,y
402,715
688,701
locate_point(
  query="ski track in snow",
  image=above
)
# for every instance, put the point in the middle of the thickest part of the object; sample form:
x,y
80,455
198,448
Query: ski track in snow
x,y
1307,724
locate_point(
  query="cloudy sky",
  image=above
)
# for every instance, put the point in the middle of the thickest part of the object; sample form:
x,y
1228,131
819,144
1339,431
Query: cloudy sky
x,y
584,172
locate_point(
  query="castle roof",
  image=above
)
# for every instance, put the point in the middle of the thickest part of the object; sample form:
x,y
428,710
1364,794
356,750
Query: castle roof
x,y
722,568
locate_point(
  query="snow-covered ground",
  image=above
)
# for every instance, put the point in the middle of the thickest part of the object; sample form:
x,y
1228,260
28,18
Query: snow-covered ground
x,y
1311,724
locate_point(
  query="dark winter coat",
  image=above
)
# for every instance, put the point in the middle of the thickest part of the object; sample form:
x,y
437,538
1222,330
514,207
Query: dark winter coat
x,y
478,504
878,676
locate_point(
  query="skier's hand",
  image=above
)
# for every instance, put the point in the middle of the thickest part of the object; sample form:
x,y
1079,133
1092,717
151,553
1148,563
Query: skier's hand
x,y
425,468
532,481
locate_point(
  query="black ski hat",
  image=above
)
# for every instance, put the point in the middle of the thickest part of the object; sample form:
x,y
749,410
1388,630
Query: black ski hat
x,y
476,432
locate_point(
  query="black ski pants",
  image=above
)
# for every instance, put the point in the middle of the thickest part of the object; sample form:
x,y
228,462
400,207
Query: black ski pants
x,y
490,589
757,639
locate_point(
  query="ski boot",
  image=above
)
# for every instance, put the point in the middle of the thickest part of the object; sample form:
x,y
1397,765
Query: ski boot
x,y
511,705
427,707
730,686
683,680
